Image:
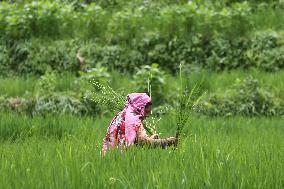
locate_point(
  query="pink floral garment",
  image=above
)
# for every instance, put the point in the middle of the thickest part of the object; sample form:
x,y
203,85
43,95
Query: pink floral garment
x,y
123,128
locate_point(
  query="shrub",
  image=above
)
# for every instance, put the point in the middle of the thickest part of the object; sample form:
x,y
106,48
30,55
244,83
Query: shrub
x,y
99,73
225,54
46,84
57,103
4,61
151,79
37,56
121,22
246,98
266,51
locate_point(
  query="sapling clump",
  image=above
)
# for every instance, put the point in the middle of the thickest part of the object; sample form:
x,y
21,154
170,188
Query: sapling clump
x,y
188,99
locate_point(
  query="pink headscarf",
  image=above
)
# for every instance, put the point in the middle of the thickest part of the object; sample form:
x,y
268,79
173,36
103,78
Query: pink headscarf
x,y
135,113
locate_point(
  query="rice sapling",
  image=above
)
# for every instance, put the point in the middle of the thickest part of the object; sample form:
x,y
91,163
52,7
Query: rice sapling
x,y
188,99
151,122
107,96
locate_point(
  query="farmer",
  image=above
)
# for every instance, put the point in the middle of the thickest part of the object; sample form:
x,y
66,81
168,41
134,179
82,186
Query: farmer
x,y
126,127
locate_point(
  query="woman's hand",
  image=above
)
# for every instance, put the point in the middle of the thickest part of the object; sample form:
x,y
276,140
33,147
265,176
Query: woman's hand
x,y
155,136
173,140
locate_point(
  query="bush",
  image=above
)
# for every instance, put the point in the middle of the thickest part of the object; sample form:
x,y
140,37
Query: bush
x,y
4,61
124,24
266,51
151,79
37,56
37,19
246,98
59,104
226,54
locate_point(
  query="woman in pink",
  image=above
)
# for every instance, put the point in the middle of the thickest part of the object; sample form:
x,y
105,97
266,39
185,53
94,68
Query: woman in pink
x,y
126,128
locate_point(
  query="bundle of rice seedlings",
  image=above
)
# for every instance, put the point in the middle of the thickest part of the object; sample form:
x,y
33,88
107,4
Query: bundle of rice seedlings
x,y
150,124
106,96
188,99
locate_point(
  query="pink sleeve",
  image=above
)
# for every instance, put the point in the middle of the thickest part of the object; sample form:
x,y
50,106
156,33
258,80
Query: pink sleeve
x,y
132,124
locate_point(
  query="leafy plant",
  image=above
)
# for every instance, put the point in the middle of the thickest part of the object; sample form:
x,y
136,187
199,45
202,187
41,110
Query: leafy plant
x,y
99,73
188,99
247,98
59,104
106,96
266,51
46,84
151,79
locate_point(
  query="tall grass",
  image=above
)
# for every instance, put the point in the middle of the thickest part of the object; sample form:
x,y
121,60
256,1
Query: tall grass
x,y
18,86
14,127
212,81
220,81
218,153
268,18
189,96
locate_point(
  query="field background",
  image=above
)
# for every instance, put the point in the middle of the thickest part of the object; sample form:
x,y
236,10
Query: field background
x,y
51,130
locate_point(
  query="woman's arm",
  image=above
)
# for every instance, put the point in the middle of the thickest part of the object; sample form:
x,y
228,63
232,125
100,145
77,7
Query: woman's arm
x,y
143,138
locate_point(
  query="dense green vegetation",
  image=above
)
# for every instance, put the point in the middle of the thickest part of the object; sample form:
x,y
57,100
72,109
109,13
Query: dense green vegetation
x,y
252,93
51,129
43,34
218,153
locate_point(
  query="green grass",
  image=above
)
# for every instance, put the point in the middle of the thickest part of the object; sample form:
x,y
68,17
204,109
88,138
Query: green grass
x,y
18,86
63,151
216,153
272,81
218,82
212,81
268,18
